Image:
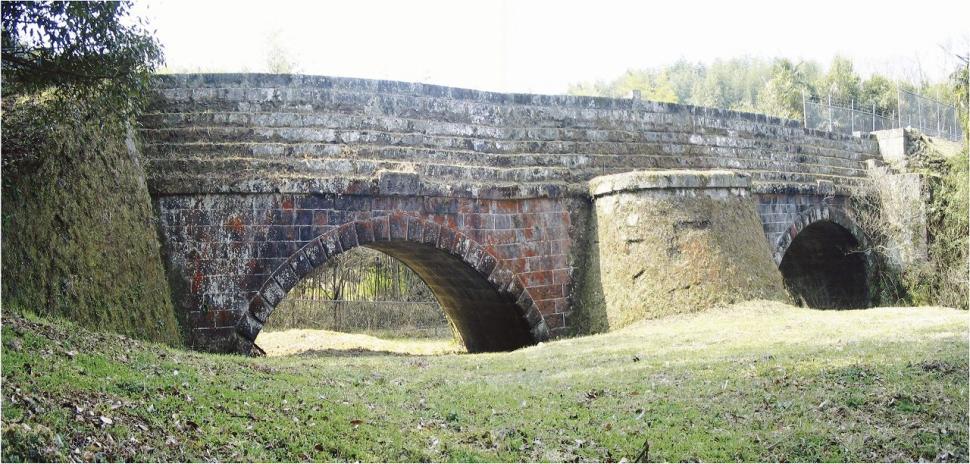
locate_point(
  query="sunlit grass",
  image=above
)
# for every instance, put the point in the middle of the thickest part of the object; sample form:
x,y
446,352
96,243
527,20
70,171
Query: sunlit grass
x,y
758,381
314,341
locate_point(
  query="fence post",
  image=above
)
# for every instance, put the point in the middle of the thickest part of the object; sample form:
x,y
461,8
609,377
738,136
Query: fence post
x,y
939,120
919,112
852,117
873,117
830,112
899,107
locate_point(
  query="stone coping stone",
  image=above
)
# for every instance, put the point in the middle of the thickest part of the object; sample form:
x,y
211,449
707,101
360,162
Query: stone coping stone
x,y
667,179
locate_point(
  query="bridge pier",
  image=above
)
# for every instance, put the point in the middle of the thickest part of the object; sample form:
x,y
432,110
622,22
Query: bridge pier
x,y
674,241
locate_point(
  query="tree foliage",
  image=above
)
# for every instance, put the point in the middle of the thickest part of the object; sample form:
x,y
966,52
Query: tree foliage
x,y
783,93
878,92
83,50
652,85
774,87
279,60
960,81
841,82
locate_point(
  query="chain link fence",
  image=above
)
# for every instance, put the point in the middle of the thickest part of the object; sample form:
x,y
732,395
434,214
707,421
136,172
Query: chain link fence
x,y
400,318
929,116
834,118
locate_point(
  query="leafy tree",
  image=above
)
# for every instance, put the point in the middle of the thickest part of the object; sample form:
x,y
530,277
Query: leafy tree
x,y
784,92
771,87
682,76
880,92
658,88
652,84
961,92
589,88
841,82
732,84
279,60
84,50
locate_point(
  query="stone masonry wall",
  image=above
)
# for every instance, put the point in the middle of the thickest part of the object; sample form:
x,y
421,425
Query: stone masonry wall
x,y
296,134
249,169
223,248
784,214
669,242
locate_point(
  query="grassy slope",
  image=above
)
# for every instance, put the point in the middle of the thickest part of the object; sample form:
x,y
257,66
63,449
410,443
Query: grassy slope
x,y
757,381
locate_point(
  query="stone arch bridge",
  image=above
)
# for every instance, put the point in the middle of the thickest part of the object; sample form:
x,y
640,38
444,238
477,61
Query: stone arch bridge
x,y
503,203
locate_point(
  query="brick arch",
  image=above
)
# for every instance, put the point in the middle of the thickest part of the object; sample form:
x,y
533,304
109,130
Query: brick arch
x,y
442,256
811,216
824,260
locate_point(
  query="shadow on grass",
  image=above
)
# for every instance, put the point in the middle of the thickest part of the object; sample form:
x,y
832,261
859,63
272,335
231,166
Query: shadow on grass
x,y
354,352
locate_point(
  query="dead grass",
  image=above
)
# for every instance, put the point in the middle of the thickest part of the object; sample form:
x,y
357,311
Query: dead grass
x,y
308,341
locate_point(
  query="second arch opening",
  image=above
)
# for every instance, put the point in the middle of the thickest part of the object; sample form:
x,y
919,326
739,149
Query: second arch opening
x,y
824,268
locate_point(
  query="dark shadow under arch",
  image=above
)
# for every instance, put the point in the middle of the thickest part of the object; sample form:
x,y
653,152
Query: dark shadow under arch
x,y
823,267
489,307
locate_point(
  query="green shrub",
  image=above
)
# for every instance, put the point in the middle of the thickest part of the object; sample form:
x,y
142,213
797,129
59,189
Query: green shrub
x,y
948,229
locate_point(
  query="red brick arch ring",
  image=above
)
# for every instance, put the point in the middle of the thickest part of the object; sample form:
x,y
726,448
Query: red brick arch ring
x,y
487,303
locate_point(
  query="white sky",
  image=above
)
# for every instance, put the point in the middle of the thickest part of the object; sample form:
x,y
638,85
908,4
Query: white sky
x,y
543,46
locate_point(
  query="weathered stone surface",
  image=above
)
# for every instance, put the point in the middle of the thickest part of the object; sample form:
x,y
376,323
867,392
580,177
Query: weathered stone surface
x,y
458,247
669,180
319,134
398,183
486,194
670,242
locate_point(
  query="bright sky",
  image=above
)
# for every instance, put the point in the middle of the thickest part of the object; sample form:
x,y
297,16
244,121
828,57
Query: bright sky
x,y
543,46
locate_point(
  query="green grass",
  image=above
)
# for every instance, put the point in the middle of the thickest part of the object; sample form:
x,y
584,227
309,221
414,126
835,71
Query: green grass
x,y
756,382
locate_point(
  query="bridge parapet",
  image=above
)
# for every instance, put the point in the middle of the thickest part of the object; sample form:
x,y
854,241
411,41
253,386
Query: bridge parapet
x,y
264,133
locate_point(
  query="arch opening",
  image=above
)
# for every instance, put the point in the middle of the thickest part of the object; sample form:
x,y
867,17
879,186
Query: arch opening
x,y
489,309
485,319
362,300
822,268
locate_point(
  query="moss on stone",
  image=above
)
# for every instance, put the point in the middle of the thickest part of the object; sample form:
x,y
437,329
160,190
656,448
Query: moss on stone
x,y
79,236
661,252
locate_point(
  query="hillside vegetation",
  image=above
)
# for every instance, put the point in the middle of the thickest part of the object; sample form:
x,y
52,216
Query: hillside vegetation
x,y
757,381
774,86
79,233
